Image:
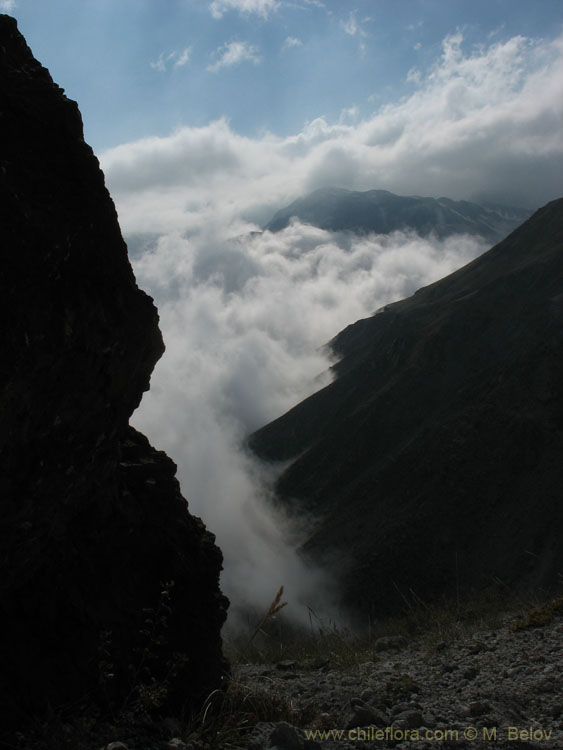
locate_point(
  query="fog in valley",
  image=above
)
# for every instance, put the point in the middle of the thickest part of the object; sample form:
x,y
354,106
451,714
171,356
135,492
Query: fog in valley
x,y
246,314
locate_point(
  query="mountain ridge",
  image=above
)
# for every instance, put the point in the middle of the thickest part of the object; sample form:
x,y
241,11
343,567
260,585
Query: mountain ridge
x,y
383,212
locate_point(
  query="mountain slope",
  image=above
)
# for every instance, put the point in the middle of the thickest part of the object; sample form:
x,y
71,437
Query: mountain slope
x,y
433,461
383,212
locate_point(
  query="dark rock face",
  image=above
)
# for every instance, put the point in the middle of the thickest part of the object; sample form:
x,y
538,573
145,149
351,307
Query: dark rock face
x,y
93,528
382,212
432,464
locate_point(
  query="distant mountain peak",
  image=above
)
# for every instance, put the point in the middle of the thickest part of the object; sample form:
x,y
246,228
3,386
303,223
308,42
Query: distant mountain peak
x,y
382,212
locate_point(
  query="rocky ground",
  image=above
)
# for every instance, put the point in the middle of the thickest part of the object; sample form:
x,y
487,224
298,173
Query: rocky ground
x,y
490,688
499,688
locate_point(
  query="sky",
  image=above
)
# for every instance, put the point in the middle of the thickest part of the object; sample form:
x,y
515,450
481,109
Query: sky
x,y
147,67
207,116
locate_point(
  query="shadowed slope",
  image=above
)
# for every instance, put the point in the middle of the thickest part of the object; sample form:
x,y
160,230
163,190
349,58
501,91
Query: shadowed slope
x,y
433,461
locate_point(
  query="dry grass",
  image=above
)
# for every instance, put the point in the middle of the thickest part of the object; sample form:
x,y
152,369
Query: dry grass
x,y
228,716
325,643
540,616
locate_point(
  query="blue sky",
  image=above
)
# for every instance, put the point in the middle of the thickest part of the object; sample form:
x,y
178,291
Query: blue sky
x,y
146,67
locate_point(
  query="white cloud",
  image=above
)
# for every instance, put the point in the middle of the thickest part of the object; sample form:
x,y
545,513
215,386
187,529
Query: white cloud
x,y
349,114
350,25
353,28
292,41
486,123
7,6
177,59
243,319
183,57
497,31
414,76
234,53
261,7
159,64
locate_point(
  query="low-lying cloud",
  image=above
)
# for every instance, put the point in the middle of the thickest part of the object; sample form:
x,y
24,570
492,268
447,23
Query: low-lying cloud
x,y
245,314
244,320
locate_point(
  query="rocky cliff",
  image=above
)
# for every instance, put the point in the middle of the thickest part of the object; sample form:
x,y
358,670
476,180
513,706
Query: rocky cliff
x,y
432,464
109,587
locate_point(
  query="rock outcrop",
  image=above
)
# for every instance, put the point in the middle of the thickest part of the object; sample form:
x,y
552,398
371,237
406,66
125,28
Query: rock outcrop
x,y
432,464
109,587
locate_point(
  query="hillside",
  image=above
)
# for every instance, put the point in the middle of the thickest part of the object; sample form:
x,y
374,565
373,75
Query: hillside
x,y
432,464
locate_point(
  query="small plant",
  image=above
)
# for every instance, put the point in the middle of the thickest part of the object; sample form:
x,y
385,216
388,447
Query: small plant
x,y
275,607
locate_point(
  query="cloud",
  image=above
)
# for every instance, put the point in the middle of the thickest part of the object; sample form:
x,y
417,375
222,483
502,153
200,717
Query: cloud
x,y
350,25
353,28
183,57
234,53
261,7
7,6
244,320
349,114
480,124
292,41
177,59
414,75
160,64
245,315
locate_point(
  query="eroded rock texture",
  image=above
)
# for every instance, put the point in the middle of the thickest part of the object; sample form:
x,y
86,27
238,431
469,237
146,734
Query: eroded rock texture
x,y
93,527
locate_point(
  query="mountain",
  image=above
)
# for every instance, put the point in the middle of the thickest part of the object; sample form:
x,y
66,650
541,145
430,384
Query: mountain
x,y
109,590
432,463
383,212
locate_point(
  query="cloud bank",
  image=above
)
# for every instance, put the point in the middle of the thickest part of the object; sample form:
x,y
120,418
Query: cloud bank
x,y
244,315
483,124
244,320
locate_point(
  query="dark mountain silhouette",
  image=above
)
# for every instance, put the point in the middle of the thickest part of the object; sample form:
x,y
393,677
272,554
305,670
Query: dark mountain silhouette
x,y
433,462
108,586
383,212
